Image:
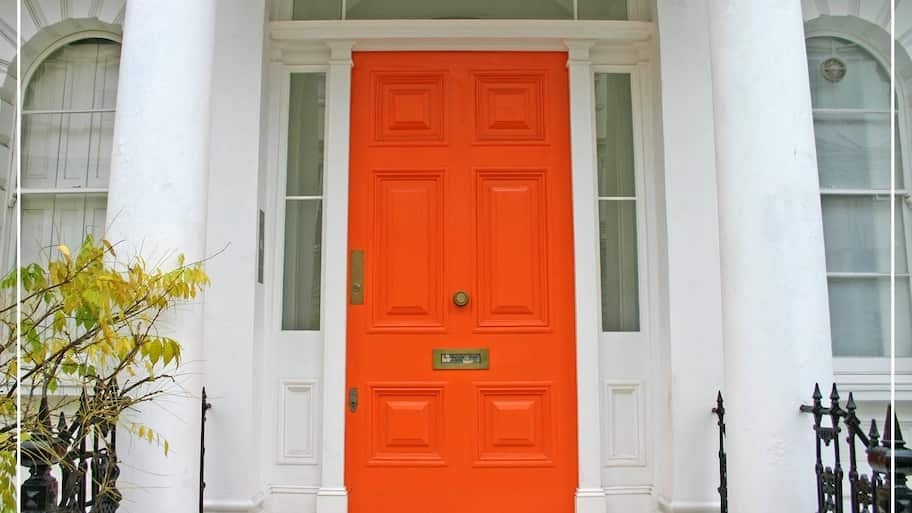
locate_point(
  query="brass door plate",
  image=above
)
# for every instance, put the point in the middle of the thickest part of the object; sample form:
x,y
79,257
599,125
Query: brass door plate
x,y
356,295
460,359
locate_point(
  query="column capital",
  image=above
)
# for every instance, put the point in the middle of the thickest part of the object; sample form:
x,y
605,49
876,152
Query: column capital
x,y
340,51
579,50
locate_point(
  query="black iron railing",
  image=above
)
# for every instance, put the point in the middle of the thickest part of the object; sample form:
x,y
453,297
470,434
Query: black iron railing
x,y
719,410
868,491
204,407
83,451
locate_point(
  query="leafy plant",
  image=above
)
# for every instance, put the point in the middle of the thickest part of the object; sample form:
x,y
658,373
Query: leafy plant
x,y
88,338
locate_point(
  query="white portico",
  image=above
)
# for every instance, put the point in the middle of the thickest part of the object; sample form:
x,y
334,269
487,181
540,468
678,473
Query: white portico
x,y
717,279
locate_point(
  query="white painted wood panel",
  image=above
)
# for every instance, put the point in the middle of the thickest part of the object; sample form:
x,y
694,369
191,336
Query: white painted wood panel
x,y
297,417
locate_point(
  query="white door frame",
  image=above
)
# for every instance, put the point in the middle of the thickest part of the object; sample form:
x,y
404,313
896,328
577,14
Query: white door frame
x,y
327,46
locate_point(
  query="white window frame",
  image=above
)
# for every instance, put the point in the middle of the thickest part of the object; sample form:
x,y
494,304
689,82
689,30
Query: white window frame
x,y
277,208
639,90
51,193
869,377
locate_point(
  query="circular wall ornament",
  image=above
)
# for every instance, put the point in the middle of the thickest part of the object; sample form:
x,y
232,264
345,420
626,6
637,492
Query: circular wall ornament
x,y
833,69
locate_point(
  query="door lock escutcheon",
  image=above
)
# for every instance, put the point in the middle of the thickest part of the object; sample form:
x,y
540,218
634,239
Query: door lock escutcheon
x,y
353,399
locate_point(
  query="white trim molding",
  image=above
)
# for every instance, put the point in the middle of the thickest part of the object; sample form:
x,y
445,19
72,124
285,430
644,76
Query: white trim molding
x,y
307,390
688,507
251,505
332,496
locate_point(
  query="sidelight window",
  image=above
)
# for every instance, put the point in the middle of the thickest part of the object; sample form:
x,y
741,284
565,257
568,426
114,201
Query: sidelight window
x,y
304,203
850,92
617,203
67,130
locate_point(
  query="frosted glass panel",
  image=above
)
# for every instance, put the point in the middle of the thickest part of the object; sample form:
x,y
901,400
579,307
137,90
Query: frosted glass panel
x,y
602,9
866,84
80,75
305,134
857,234
860,316
618,244
614,135
301,288
853,151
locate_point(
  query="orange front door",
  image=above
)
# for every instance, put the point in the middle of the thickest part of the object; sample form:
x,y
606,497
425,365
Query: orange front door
x,y
460,181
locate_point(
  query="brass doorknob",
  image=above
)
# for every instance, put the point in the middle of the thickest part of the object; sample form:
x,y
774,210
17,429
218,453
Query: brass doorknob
x,y
460,298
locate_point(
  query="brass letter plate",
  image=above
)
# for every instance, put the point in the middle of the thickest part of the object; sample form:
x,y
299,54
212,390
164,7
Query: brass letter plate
x,y
357,277
460,359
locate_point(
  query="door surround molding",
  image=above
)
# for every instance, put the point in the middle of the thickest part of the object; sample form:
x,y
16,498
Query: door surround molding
x,y
307,46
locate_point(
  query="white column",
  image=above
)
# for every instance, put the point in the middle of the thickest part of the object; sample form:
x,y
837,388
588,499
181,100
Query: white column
x,y
590,497
332,496
157,208
775,313
686,459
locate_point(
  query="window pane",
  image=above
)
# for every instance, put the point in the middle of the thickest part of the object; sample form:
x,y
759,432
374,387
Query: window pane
x,y
866,84
860,316
80,75
301,286
853,151
317,10
305,135
856,230
66,150
48,221
620,288
602,9
475,9
614,135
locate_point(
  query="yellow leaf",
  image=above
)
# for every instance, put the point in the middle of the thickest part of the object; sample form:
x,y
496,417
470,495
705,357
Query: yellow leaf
x,y
66,252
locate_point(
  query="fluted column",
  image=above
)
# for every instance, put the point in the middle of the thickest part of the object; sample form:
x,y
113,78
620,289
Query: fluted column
x,y
157,209
775,312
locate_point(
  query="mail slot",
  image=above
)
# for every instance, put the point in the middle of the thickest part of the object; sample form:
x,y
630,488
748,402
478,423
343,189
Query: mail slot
x,y
460,359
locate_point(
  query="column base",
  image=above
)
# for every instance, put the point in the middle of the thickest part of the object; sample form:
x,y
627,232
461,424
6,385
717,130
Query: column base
x,y
590,500
332,500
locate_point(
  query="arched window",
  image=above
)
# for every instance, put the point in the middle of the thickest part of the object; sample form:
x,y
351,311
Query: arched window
x,y
850,92
67,129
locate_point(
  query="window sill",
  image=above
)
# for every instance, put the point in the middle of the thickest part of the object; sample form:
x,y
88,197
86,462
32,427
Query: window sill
x,y
869,378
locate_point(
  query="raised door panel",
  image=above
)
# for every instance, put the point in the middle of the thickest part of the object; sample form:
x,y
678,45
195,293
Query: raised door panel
x,y
409,108
509,108
405,264
514,425
512,249
407,424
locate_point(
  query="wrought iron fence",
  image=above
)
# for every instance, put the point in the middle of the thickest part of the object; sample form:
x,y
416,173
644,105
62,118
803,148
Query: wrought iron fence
x,y
84,453
867,493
